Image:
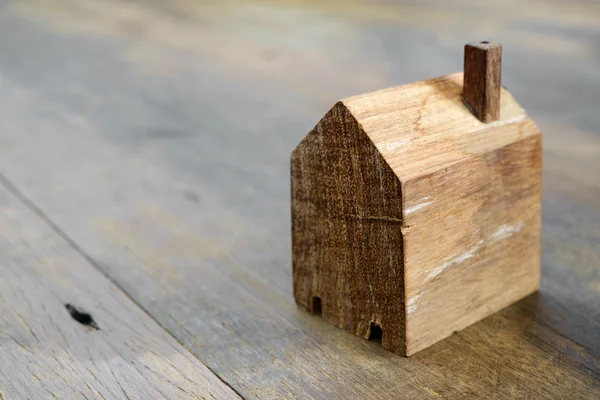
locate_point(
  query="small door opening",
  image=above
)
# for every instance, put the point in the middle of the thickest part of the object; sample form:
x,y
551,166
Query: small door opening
x,y
316,306
375,332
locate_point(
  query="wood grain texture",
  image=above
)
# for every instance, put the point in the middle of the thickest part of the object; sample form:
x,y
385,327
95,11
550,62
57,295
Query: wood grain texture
x,y
165,155
482,79
346,238
46,354
475,247
422,127
402,194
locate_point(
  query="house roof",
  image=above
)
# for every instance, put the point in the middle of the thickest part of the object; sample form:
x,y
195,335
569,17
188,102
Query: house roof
x,y
423,127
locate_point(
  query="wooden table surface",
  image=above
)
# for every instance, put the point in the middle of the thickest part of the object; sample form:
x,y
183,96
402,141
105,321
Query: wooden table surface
x,y
144,160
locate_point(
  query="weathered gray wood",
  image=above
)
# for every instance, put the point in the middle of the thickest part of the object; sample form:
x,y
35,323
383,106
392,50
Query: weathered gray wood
x,y
45,354
162,149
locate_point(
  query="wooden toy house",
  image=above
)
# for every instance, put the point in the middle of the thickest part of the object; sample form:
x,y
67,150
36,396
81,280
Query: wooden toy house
x,y
416,210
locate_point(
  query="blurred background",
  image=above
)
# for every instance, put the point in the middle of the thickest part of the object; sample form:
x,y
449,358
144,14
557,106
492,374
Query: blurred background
x,y
157,134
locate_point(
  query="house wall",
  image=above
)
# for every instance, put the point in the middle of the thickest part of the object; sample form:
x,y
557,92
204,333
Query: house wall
x,y
346,230
472,242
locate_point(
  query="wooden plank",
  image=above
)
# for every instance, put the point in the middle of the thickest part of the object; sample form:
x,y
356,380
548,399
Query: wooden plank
x,y
177,186
115,351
